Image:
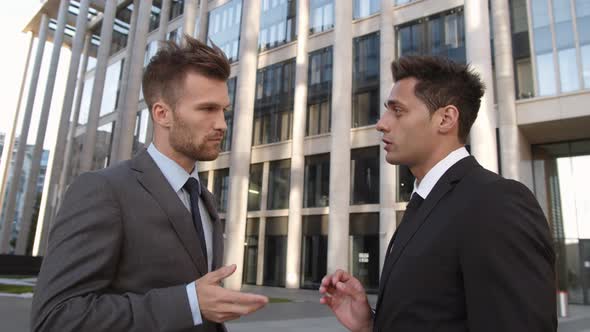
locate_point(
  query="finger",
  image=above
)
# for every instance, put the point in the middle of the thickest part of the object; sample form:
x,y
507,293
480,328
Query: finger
x,y
221,273
337,276
326,280
326,300
240,309
348,289
230,296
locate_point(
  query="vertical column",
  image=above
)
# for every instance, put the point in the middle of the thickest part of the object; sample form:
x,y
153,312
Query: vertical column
x,y
262,225
242,142
190,16
477,40
119,129
338,222
297,154
131,101
9,139
164,17
388,174
49,198
509,143
10,211
102,59
203,13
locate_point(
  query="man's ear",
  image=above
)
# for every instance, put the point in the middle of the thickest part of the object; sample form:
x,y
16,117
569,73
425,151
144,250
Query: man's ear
x,y
448,119
161,114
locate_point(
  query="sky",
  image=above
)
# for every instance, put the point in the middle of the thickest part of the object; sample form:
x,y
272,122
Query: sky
x,y
12,65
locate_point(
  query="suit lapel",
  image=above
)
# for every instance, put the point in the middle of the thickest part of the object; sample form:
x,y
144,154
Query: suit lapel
x,y
445,184
209,202
154,182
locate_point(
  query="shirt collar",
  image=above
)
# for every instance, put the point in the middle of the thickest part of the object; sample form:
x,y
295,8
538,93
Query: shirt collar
x,y
431,178
174,173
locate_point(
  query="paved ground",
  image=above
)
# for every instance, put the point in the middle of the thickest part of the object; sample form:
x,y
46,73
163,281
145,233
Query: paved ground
x,y
304,314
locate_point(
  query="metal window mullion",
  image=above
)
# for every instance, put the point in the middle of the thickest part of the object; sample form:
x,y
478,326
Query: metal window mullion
x,y
577,45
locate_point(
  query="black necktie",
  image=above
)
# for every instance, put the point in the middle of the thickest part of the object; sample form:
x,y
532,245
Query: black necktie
x,y
194,191
411,210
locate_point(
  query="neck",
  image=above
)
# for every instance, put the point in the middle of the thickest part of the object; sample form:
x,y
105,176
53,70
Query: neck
x,y
186,163
420,170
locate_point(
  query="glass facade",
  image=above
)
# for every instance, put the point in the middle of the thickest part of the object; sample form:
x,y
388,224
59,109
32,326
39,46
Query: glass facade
x,y
251,251
439,35
583,23
102,150
365,80
275,251
319,92
224,28
273,109
364,176
405,183
314,250
110,95
364,8
176,8
140,132
229,115
521,50
316,181
175,35
321,15
364,249
279,184
566,48
204,178
278,21
255,187
121,29
220,188
85,103
155,15
150,50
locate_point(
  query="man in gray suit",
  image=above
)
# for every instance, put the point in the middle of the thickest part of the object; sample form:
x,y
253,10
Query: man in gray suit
x,y
139,246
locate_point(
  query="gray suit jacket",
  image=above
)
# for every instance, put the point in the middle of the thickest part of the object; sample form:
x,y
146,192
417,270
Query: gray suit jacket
x,y
121,252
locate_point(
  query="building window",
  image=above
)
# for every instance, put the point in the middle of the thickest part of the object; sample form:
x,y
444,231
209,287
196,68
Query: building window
x,y
365,81
317,180
566,48
583,23
278,184
150,50
543,48
140,132
204,178
251,251
364,239
229,114
278,23
314,250
275,251
439,35
176,8
273,110
220,188
85,103
364,8
155,15
319,92
175,35
255,187
405,183
102,150
521,51
401,2
321,15
224,28
364,176
121,29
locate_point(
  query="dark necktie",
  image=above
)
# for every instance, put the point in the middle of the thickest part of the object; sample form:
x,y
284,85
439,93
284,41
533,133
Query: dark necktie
x,y
194,191
411,210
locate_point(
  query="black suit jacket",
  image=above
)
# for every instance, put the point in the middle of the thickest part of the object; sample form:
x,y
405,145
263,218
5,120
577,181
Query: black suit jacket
x,y
121,252
477,257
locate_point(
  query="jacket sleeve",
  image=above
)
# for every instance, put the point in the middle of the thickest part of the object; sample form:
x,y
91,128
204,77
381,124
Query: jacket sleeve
x,y
73,291
507,262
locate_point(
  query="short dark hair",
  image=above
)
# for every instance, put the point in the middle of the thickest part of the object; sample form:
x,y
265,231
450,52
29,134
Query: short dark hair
x,y
165,74
442,82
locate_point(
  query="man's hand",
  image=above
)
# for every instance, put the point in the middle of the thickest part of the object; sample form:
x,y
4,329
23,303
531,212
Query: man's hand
x,y
346,297
218,304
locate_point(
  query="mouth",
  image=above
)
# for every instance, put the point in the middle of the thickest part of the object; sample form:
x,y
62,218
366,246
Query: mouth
x,y
387,144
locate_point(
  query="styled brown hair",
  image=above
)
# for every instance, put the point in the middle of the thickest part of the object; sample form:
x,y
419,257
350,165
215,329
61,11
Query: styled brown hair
x,y
164,76
442,82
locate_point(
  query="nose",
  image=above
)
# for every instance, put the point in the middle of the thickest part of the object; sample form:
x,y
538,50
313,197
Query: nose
x,y
220,123
380,125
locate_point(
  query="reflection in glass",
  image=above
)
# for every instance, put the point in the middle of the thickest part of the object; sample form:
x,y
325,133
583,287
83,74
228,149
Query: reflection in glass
x,y
319,92
317,180
176,8
224,28
155,15
204,178
278,184
121,29
140,132
175,35
150,50
546,74
110,93
275,251
585,51
229,114
364,175
251,251
364,249
102,150
405,183
278,19
365,80
255,187
314,250
583,23
521,51
364,8
220,188
566,51
568,70
321,15
85,103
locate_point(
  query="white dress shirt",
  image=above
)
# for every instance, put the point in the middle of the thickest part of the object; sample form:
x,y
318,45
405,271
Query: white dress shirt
x,y
177,177
431,178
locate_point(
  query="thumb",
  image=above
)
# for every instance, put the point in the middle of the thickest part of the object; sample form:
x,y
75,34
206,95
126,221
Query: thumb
x,y
222,273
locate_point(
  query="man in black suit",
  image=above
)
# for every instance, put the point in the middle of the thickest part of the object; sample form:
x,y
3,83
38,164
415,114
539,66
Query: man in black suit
x,y
473,251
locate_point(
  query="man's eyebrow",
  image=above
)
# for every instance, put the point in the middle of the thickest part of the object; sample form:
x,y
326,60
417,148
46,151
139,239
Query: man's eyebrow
x,y
212,104
393,102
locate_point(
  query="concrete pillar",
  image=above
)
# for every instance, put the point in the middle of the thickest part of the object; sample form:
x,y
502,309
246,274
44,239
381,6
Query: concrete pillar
x,y
30,196
509,142
477,40
297,154
10,211
203,14
131,101
119,130
162,30
9,138
50,193
262,225
338,222
242,142
191,8
388,174
102,59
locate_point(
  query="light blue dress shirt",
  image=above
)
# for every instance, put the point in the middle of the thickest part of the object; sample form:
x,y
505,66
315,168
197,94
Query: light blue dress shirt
x,y
177,177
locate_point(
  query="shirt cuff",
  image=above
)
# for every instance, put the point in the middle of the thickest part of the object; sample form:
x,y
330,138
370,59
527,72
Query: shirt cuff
x,y
193,301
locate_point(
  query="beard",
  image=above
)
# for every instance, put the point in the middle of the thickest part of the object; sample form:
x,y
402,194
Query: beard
x,y
182,139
